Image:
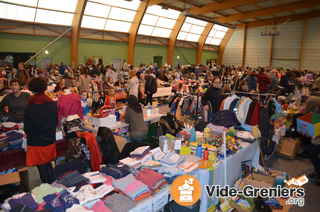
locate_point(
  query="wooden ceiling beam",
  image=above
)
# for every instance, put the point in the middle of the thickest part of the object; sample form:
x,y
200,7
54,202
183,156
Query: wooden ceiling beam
x,y
188,3
223,45
133,31
202,41
171,7
216,6
280,2
281,20
239,11
257,6
269,11
154,2
75,32
173,37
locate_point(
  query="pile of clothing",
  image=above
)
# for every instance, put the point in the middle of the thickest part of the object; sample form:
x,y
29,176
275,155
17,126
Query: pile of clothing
x,y
15,139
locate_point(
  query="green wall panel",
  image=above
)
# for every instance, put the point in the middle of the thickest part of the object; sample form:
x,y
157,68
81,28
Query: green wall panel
x,y
144,53
190,55
109,50
60,51
209,55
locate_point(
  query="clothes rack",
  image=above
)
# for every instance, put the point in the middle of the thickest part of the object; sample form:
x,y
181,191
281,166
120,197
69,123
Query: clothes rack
x,y
198,98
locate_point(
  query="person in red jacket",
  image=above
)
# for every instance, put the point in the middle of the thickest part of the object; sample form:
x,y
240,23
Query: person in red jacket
x,y
111,99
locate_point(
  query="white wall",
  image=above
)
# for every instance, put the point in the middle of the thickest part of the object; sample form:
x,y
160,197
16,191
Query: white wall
x,y
288,45
233,52
311,57
257,49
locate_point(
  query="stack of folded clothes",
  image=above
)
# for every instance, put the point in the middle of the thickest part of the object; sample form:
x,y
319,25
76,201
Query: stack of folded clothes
x,y
15,139
115,171
133,188
72,178
8,126
85,193
140,152
4,142
59,201
119,203
152,179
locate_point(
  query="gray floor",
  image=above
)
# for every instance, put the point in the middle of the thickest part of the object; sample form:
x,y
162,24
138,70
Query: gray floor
x,y
295,168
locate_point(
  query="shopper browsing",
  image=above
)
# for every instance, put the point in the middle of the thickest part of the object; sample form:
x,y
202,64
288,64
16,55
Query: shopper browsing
x,y
40,121
111,99
150,86
61,86
16,101
134,117
85,102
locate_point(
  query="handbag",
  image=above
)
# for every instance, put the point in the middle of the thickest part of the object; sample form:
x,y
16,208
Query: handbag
x,y
72,123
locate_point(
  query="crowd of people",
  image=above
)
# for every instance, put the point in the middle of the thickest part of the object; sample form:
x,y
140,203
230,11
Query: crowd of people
x,y
220,79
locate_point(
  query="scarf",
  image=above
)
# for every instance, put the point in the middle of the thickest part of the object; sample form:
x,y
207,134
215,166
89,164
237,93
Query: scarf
x,y
39,98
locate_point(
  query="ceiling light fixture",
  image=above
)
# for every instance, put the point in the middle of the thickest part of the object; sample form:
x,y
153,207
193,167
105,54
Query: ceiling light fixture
x,y
186,13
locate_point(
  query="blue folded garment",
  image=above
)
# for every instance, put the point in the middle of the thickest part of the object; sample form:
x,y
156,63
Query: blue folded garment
x,y
14,135
15,143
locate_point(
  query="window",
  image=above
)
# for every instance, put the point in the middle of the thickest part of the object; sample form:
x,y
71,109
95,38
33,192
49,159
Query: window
x,y
111,15
158,22
191,29
58,12
216,35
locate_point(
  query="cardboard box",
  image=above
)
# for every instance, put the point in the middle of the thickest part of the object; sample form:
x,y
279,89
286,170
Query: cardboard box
x,y
9,178
260,181
109,121
159,201
309,125
241,208
30,178
288,148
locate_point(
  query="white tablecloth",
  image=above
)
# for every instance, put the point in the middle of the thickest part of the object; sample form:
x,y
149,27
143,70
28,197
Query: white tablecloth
x,y
251,152
164,91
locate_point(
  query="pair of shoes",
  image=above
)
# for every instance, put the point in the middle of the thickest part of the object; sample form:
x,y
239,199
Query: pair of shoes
x,y
318,183
312,175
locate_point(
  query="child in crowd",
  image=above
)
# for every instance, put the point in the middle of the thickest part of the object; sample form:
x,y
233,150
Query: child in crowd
x,y
111,99
183,88
85,103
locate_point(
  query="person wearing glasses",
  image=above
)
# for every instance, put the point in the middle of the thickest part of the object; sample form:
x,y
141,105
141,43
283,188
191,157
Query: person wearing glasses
x,y
213,97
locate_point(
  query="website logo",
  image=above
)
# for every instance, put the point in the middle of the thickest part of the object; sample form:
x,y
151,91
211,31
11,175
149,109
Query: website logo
x,y
186,190
300,181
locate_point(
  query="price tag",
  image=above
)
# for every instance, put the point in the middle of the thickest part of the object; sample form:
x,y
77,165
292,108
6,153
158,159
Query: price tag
x,y
185,150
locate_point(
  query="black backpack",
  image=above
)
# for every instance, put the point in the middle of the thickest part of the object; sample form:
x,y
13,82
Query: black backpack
x,y
169,124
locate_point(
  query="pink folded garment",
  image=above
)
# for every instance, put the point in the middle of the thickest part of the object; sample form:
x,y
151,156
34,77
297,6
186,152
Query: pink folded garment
x,y
149,177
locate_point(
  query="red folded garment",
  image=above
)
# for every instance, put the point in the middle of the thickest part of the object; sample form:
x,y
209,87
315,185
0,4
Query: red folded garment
x,y
149,177
8,129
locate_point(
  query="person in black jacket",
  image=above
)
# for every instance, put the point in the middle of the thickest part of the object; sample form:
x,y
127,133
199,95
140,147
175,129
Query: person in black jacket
x,y
40,121
214,96
150,86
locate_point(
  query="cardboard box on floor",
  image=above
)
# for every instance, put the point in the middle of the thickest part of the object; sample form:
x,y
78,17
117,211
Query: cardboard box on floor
x,y
12,177
30,177
260,181
288,149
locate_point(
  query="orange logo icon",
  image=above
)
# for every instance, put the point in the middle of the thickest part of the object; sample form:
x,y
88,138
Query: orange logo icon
x,y
186,190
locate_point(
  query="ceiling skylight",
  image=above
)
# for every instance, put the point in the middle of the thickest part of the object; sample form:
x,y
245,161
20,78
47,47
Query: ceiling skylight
x,y
58,12
158,22
216,35
111,15
191,29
